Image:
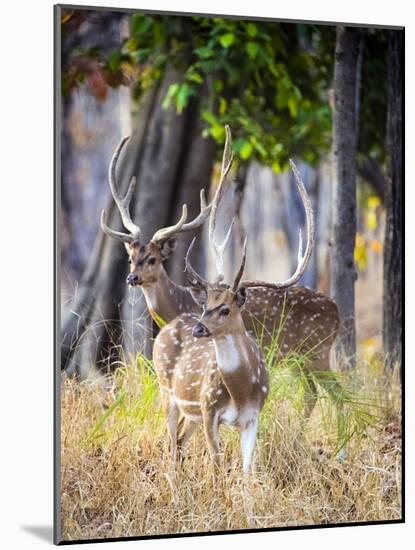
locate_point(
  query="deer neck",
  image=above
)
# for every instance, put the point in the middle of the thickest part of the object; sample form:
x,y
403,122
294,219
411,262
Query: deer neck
x,y
232,350
239,362
166,300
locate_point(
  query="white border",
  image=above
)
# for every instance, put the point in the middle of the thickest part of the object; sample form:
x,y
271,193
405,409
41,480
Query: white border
x,y
26,268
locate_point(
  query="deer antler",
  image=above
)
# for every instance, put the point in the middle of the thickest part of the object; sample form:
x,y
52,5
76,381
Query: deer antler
x,y
218,248
240,272
167,232
194,277
181,226
201,217
123,203
303,260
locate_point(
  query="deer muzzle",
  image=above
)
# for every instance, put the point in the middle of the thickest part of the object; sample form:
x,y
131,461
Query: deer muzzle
x,y
199,330
134,279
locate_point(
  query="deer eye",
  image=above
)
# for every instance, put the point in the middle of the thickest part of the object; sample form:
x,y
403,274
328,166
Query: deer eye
x,y
129,260
151,260
224,311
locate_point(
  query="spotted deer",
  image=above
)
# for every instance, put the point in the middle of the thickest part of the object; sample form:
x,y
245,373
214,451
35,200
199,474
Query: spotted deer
x,y
297,318
210,370
164,298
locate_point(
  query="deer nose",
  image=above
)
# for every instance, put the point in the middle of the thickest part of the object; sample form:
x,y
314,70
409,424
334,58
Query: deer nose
x,y
133,279
200,330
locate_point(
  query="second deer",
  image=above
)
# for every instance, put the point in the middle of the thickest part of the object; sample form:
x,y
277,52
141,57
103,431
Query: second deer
x,y
211,371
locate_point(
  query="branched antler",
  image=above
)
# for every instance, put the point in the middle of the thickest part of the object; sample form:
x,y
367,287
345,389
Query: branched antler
x,y
218,248
123,203
303,260
181,226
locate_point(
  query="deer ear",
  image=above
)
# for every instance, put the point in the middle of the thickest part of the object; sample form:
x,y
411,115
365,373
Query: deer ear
x,y
240,296
127,248
199,295
167,247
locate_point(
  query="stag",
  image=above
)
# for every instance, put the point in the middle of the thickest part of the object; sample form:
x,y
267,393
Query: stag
x,y
279,314
164,298
210,370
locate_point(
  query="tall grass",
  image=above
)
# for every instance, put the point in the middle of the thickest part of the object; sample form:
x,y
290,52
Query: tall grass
x,y
117,478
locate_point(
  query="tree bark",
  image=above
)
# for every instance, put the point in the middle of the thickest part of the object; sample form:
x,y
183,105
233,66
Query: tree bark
x,y
344,161
89,129
393,261
195,173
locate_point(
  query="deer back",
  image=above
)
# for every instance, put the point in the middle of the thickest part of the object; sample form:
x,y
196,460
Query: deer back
x,y
297,319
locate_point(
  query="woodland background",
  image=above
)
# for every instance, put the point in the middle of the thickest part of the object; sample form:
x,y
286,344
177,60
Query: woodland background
x,y
331,98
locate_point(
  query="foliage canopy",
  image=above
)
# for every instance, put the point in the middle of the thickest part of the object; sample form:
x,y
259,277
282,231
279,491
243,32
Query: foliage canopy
x,y
269,81
265,79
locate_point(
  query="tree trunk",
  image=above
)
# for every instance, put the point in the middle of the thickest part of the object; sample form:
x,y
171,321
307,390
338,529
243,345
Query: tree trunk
x,y
344,213
393,263
90,128
172,163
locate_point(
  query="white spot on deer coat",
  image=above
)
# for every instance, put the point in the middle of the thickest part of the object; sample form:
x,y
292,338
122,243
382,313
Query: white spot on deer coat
x,y
186,403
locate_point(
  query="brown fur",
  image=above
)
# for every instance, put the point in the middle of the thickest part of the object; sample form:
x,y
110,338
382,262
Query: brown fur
x,y
195,384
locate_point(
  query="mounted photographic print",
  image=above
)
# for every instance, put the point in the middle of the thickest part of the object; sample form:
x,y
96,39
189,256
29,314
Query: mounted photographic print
x,y
229,274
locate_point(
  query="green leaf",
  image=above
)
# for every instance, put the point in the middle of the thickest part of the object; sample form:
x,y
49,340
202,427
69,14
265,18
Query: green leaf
x,y
281,99
276,150
182,97
131,44
171,92
293,106
252,30
218,132
218,85
194,77
204,52
261,149
209,117
246,150
141,54
140,24
276,167
227,39
252,48
114,60
223,105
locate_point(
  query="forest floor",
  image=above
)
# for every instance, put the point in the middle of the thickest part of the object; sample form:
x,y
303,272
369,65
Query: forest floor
x,y
117,479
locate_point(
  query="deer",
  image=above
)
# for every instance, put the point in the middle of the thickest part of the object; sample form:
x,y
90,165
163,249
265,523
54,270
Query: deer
x,y
164,298
301,319
210,370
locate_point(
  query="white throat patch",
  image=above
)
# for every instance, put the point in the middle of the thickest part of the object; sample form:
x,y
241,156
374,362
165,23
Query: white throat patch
x,y
227,354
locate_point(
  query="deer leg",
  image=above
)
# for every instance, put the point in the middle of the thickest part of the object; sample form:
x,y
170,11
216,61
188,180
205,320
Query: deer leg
x,y
185,433
210,425
248,437
172,425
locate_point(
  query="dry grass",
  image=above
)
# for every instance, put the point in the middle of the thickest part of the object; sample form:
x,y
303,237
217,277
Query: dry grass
x,y
117,479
